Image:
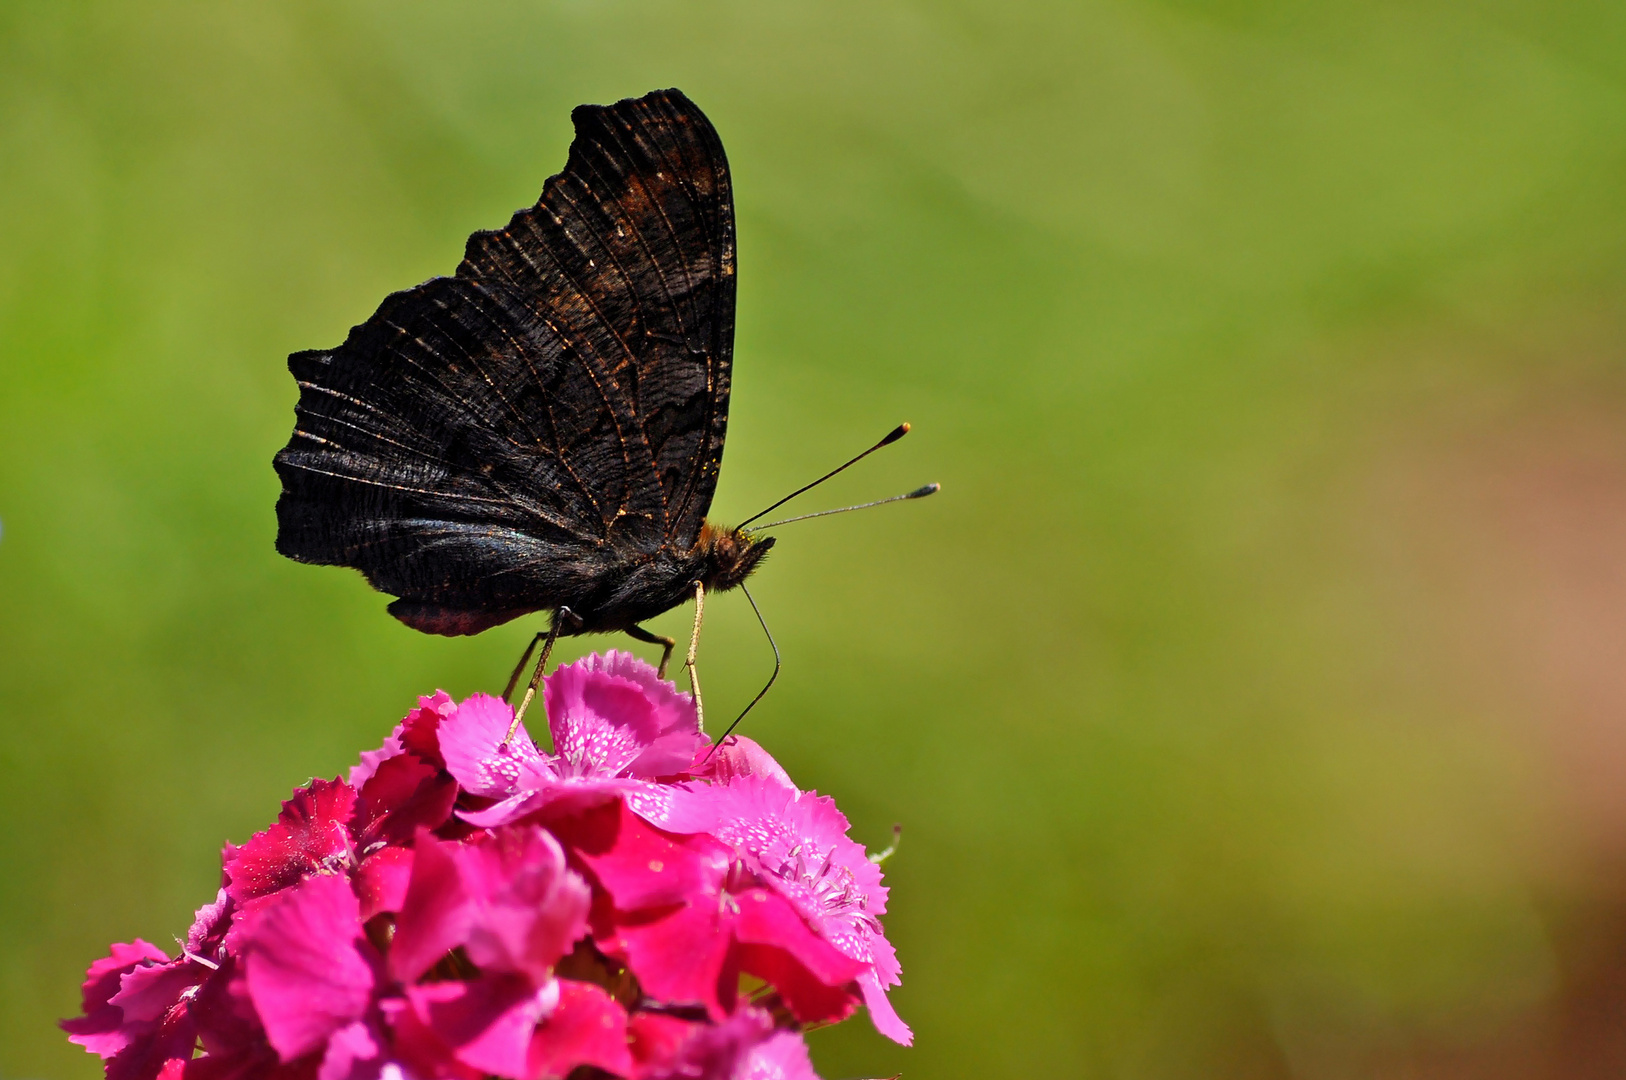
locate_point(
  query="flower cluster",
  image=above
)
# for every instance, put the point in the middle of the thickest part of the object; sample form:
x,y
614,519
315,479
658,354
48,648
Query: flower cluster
x,y
467,905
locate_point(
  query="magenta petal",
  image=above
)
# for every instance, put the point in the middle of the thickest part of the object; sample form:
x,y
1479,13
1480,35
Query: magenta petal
x,y
611,715
507,896
781,1056
766,918
430,712
474,741
681,957
363,770
530,908
161,1053
422,1053
657,1040
405,793
102,1029
227,1022
310,835
487,1022
419,731
640,866
209,925
507,811
809,1000
555,796
354,1052
381,880
310,971
587,1027
881,1013
436,913
147,993
739,756
720,1051
797,843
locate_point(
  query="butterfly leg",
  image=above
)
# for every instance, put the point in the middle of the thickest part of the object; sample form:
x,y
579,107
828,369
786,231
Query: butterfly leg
x,y
519,668
559,617
694,643
638,633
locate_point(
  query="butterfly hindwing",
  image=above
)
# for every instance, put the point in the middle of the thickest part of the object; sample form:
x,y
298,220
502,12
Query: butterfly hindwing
x,y
630,251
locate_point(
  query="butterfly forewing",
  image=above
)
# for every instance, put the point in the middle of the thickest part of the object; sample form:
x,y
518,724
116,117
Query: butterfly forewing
x,y
630,253
510,438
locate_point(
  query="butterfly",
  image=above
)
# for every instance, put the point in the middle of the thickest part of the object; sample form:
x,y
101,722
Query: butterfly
x,y
543,430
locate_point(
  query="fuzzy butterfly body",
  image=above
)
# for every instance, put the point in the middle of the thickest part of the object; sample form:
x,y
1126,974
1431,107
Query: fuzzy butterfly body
x,y
544,428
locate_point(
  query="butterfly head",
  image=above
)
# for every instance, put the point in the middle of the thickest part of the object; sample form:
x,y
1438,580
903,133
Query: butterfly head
x,y
731,555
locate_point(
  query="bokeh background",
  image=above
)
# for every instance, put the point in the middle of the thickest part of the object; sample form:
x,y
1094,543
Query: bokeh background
x,y
1253,697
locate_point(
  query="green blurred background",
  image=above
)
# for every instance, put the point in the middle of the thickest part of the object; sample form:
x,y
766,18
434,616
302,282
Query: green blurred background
x,y
1254,695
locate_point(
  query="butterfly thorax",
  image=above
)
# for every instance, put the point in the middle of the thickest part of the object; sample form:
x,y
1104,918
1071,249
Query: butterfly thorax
x,y
730,555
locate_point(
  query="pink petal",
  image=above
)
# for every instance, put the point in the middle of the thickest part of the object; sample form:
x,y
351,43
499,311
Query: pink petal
x,y
680,957
209,926
766,918
506,896
419,731
136,1015
881,1013
777,946
781,1056
381,880
421,1051
612,715
355,1052
310,970
718,1051
810,1000
168,1046
657,1039
310,835
102,1029
738,756
436,914
474,741
552,797
405,793
586,1028
254,1062
640,866
420,722
227,1022
487,1022
147,993
797,843
531,909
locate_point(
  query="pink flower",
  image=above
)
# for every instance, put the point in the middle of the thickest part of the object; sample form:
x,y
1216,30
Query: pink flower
x,y
616,728
796,843
670,911
133,1014
465,907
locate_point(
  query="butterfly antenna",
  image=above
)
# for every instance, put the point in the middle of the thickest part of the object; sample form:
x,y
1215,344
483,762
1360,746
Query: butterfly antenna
x,y
771,644
918,493
891,437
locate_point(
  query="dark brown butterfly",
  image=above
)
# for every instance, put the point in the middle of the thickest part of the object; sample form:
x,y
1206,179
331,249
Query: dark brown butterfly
x,y
542,431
